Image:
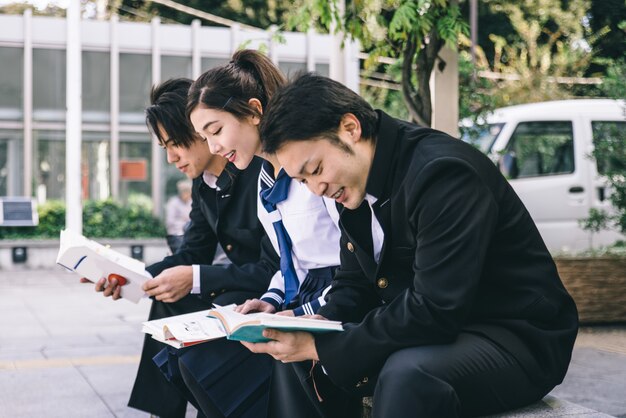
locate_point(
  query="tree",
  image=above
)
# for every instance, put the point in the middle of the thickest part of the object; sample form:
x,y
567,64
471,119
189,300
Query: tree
x,y
259,13
412,31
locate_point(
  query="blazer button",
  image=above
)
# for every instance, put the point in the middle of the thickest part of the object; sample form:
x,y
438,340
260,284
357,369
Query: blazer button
x,y
229,247
350,247
212,294
382,282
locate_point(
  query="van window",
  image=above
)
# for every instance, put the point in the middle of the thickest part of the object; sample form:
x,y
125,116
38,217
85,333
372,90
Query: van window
x,y
609,140
541,149
481,136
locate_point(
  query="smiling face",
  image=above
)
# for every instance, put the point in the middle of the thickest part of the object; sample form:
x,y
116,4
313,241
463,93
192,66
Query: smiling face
x,y
235,139
192,161
335,170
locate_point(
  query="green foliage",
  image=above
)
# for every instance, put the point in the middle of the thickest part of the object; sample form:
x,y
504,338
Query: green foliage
x,y
101,219
411,31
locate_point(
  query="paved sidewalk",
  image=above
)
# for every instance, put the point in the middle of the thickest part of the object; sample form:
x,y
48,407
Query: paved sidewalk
x,y
66,351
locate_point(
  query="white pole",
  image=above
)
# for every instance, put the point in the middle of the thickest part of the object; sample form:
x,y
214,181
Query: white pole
x,y
196,58
157,153
74,210
115,108
28,103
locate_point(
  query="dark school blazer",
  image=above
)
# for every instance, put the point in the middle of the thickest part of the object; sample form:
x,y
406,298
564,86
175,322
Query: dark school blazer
x,y
461,253
227,217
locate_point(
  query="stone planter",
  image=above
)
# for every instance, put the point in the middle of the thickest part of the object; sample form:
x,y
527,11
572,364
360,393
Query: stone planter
x,y
43,253
598,285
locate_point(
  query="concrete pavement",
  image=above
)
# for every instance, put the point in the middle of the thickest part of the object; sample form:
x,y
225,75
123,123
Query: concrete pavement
x,y
66,351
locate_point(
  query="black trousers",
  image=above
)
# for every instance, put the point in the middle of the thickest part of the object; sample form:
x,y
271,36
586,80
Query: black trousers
x,y
471,377
152,392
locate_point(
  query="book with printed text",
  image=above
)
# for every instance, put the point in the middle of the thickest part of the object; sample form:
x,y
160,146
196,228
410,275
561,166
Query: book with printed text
x,y
222,321
94,261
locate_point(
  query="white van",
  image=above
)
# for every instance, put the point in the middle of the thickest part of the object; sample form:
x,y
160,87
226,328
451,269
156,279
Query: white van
x,y
544,149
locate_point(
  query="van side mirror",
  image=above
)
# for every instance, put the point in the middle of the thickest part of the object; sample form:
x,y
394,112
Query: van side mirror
x,y
507,164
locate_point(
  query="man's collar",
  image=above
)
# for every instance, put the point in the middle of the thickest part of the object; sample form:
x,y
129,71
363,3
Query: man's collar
x,y
386,137
223,181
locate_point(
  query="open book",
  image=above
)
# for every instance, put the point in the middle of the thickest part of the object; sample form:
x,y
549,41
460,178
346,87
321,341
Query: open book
x,y
222,321
95,261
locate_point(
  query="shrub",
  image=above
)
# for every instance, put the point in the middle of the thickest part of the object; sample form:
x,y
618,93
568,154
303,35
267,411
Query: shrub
x,y
101,219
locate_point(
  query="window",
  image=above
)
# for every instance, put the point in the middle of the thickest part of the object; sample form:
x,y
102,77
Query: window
x,y
49,165
95,165
49,84
291,68
175,67
541,149
208,63
11,83
481,136
96,68
11,163
136,149
135,83
609,140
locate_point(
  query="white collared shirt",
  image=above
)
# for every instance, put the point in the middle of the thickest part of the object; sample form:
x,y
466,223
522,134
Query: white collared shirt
x,y
312,223
378,236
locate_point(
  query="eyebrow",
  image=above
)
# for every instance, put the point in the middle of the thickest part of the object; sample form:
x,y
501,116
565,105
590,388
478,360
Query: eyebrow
x,y
206,125
301,172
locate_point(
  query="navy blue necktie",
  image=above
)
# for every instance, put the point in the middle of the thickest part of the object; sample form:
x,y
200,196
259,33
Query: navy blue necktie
x,y
272,193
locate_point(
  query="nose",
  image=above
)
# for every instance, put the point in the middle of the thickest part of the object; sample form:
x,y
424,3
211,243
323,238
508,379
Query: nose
x,y
214,147
172,156
317,187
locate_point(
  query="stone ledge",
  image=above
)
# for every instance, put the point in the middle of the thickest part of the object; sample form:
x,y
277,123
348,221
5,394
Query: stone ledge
x,y
547,407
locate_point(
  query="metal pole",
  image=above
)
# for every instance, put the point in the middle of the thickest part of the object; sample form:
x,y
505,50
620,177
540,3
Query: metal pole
x,y
115,108
28,103
157,153
73,143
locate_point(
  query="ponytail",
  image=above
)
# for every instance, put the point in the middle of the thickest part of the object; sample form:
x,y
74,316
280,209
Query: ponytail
x,y
229,87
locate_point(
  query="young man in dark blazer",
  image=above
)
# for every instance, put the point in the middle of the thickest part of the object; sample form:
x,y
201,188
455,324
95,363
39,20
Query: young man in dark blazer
x,y
451,302
223,213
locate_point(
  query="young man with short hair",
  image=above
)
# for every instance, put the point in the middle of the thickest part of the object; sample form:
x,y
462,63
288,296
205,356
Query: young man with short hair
x,y
451,302
223,213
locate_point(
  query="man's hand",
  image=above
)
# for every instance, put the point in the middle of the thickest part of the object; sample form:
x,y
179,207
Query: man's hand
x,y
255,305
287,346
171,285
112,289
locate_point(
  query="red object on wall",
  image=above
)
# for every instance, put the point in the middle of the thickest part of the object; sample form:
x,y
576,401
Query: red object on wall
x,y
134,170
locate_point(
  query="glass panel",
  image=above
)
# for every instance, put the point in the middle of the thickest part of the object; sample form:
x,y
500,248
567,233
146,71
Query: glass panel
x,y
136,150
96,86
11,83
322,69
49,165
48,84
481,136
175,67
290,69
11,163
135,83
4,168
541,149
95,165
609,140
208,63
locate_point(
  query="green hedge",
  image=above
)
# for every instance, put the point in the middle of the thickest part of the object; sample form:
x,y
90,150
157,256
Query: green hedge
x,y
101,219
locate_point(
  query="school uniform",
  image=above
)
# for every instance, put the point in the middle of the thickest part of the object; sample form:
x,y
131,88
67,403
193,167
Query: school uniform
x,y
223,213
462,313
224,377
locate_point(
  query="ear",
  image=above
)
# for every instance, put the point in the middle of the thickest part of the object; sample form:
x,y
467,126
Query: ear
x,y
350,126
255,103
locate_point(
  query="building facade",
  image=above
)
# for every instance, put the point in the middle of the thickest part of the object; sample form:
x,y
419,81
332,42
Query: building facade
x,y
120,61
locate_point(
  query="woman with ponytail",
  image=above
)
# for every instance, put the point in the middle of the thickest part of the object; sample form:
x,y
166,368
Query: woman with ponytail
x,y
225,106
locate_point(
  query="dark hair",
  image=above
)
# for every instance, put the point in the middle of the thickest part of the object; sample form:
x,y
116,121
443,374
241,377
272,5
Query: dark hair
x,y
311,106
249,74
167,109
